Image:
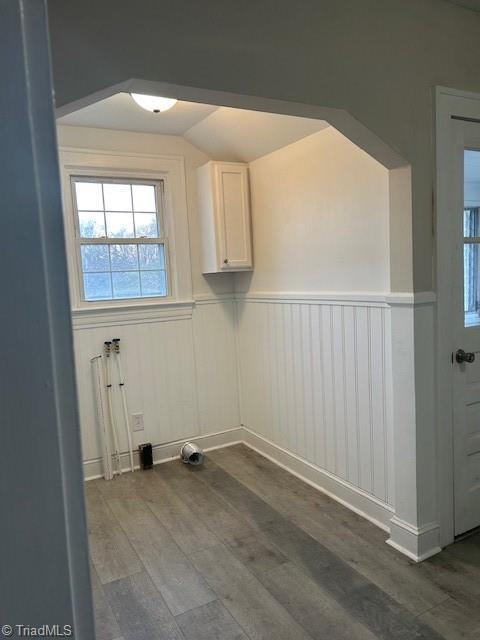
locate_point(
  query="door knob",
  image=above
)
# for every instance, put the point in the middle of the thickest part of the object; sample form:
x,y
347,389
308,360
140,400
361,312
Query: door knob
x,y
462,356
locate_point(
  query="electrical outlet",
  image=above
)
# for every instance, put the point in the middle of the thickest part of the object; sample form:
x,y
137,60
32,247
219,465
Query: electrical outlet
x,y
137,422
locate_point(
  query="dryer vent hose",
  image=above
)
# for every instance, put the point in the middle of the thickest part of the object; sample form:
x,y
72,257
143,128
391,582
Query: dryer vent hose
x,y
190,453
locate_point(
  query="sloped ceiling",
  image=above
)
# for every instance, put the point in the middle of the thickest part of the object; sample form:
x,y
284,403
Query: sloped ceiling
x,y
222,133
243,136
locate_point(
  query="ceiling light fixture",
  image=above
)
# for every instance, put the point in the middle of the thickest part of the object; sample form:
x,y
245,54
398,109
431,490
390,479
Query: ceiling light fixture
x,y
155,104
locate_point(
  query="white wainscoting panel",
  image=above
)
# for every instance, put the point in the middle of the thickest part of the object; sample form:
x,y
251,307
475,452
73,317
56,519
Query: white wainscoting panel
x,y
178,373
311,376
216,362
315,379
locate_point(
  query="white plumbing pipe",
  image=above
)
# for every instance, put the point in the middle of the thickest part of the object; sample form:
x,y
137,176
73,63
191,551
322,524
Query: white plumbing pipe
x,y
101,417
108,385
121,384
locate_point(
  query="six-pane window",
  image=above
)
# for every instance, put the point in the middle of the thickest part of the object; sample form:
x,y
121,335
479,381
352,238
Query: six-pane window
x,y
122,245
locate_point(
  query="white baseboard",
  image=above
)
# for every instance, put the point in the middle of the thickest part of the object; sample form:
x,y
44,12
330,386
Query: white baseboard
x,y
418,543
169,451
366,505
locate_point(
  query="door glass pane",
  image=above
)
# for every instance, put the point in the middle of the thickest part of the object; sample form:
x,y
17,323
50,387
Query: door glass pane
x,y
471,278
471,234
471,219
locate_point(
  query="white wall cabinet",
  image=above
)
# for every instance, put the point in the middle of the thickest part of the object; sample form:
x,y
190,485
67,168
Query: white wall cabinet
x,y
224,210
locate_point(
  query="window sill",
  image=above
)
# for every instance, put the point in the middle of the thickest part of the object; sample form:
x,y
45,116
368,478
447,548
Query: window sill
x,y
131,313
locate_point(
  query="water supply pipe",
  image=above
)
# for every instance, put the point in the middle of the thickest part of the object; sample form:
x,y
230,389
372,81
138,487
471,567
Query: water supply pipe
x,y
99,388
121,384
108,384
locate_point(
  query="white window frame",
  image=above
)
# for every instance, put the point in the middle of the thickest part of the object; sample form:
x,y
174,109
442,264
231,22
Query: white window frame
x,y
159,186
104,165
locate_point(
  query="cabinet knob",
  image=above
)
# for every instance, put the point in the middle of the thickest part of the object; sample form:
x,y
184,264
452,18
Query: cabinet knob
x,y
225,261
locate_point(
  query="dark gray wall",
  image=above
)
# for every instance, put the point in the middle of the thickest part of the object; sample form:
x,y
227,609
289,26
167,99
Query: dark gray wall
x,y
379,59
469,4
44,575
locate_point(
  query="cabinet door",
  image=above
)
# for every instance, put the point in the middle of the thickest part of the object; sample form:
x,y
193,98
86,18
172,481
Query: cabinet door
x,y
234,217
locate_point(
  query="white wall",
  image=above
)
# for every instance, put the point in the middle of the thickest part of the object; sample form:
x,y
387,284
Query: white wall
x,y
179,363
314,348
320,210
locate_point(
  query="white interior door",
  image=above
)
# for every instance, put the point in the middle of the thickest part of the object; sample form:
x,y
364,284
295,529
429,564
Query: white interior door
x,y
466,313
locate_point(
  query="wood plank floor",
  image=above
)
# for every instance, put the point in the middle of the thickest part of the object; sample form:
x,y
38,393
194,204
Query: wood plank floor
x,y
240,549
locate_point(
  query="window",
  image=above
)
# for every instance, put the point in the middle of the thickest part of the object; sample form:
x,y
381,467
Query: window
x,y
157,278
121,242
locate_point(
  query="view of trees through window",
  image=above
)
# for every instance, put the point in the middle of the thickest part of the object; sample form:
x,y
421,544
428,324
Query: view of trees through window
x,y
122,244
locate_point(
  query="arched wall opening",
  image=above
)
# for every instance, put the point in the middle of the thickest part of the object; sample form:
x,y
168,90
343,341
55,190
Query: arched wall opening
x,y
401,270
384,318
